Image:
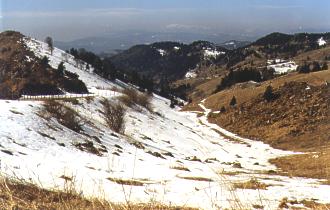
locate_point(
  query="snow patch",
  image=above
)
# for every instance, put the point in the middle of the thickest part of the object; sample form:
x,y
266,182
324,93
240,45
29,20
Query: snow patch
x,y
321,41
191,74
161,52
212,53
282,66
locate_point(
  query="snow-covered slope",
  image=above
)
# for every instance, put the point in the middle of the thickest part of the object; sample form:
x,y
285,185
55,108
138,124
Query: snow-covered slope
x,y
173,157
91,80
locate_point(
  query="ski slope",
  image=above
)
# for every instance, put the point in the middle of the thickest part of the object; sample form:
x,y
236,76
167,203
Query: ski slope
x,y
173,157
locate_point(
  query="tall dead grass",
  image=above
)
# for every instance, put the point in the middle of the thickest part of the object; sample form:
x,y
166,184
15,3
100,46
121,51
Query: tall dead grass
x,y
20,195
114,115
65,115
132,97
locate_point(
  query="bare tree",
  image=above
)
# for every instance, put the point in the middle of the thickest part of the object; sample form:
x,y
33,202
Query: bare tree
x,y
50,43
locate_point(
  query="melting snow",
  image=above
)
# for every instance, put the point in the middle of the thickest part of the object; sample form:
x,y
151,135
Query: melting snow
x,y
161,52
282,66
321,41
154,149
191,74
210,53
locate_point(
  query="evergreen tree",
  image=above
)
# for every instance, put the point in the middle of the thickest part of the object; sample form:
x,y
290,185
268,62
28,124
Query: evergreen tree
x,y
233,101
223,109
304,68
316,66
268,94
324,66
44,61
61,68
50,43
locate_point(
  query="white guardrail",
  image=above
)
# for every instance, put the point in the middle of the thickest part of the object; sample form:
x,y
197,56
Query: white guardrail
x,y
102,93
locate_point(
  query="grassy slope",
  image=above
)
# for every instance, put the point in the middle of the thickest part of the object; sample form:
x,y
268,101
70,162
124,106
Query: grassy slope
x,y
315,140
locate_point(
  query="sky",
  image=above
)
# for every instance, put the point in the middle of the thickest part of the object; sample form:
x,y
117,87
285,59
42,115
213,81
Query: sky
x,y
73,19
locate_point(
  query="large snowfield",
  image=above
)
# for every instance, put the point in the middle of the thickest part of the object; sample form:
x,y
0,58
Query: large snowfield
x,y
176,157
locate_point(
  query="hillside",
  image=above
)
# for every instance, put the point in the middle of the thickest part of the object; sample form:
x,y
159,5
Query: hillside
x,y
22,72
167,60
163,155
199,65
296,119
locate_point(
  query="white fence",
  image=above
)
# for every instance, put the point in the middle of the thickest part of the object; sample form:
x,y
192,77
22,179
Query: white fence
x,y
102,93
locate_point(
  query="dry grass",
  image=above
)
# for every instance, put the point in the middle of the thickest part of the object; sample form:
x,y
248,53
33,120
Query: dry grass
x,y
314,55
127,182
132,97
310,204
20,195
253,184
202,179
114,115
216,101
180,168
65,115
229,173
311,165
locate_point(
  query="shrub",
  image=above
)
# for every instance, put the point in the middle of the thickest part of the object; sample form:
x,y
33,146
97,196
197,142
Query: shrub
x,y
44,61
60,69
268,94
66,116
223,109
324,66
172,104
304,68
50,43
233,101
316,66
114,115
132,97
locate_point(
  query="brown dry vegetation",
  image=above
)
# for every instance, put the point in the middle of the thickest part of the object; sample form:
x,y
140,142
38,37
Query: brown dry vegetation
x,y
244,93
25,196
298,120
314,55
114,115
201,179
311,165
20,75
310,204
132,97
65,115
252,184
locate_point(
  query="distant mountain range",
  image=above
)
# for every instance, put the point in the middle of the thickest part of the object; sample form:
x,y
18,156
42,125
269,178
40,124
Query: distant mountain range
x,y
114,42
169,60
172,60
234,44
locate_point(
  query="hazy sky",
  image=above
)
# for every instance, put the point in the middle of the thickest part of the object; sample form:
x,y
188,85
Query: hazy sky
x,y
72,19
